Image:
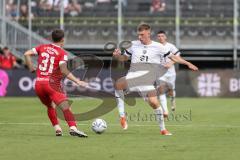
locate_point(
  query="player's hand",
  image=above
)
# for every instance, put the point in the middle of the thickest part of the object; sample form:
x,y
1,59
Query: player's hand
x,y
192,67
116,52
168,65
82,83
32,70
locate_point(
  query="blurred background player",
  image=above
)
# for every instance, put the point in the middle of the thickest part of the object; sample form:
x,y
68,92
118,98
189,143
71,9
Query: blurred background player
x,y
142,53
51,69
7,60
167,81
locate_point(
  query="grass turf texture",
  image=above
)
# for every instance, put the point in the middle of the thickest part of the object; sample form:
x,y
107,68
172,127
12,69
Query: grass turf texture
x,y
202,129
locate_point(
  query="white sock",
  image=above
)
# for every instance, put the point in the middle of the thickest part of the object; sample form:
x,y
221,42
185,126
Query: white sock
x,y
172,98
174,93
57,127
160,119
120,102
163,101
73,128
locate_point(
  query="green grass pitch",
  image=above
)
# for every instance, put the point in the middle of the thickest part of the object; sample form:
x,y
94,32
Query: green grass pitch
x,y
204,129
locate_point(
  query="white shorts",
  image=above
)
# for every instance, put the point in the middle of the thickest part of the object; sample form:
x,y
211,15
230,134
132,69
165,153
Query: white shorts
x,y
139,87
142,77
169,79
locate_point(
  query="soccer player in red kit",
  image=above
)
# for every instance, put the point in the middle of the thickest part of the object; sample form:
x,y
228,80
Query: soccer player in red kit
x,y
51,69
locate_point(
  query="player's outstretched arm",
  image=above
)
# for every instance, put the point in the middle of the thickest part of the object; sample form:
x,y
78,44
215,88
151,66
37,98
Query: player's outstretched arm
x,y
169,64
28,60
70,76
117,54
180,60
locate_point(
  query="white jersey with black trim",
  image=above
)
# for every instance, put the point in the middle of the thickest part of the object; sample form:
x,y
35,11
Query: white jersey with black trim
x,y
153,53
173,49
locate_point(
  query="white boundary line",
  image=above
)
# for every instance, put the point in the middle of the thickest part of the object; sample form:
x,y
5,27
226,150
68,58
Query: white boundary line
x,y
131,125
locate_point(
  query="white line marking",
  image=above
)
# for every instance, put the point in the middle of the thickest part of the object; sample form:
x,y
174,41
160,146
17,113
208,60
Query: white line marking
x,y
132,125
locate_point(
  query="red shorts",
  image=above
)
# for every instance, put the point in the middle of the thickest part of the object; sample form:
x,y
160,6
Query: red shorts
x,y
47,94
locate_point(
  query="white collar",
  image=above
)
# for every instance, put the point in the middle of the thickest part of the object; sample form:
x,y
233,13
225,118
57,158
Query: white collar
x,y
55,45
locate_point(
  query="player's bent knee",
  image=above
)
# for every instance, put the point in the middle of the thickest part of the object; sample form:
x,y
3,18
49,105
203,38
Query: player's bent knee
x,y
64,105
153,103
120,85
170,93
117,86
161,90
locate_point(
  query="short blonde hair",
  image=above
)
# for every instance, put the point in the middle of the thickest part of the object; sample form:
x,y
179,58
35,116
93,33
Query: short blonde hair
x,y
143,26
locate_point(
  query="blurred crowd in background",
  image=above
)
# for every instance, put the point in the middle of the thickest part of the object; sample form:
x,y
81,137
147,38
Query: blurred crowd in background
x,y
71,7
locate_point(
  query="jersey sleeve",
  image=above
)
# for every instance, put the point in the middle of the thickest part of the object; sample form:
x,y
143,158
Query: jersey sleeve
x,y
36,50
167,52
63,58
128,52
174,50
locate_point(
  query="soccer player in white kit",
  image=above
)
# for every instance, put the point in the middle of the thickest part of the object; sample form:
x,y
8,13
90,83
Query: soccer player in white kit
x,y
166,83
146,56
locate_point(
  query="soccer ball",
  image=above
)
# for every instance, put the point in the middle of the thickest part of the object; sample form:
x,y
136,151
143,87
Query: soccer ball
x,y
99,126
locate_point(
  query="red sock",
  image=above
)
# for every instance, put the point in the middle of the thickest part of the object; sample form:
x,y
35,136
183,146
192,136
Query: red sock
x,y
52,116
69,117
